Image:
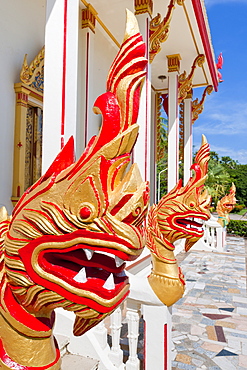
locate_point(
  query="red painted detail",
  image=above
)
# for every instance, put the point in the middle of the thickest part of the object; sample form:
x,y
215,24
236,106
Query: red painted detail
x,y
19,144
11,364
21,315
64,70
165,347
205,40
18,192
146,105
122,202
145,344
59,287
87,83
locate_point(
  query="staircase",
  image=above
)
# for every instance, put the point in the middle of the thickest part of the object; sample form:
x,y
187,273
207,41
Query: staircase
x,y
71,361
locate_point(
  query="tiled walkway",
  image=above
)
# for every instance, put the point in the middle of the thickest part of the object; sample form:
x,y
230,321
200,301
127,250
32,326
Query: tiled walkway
x,y
210,321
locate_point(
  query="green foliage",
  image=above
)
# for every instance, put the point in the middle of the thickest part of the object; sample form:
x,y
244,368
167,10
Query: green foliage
x,y
162,164
218,181
237,227
238,208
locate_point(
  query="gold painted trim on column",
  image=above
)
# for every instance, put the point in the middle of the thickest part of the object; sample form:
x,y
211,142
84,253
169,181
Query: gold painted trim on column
x,y
86,4
197,107
144,6
173,62
88,18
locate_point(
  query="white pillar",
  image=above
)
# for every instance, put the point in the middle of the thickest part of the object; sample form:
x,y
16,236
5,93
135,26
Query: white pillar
x,y
187,137
173,123
157,337
142,148
86,74
60,76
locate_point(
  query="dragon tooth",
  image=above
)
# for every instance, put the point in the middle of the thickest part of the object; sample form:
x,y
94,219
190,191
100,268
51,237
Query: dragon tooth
x,y
81,277
89,253
118,261
109,284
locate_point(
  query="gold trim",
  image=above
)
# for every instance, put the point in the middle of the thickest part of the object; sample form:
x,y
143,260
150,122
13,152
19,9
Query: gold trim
x,y
102,25
173,62
197,107
185,82
29,73
159,29
88,18
144,6
23,94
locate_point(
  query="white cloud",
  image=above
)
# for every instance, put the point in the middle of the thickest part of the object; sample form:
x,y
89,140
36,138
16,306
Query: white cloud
x,y
239,155
228,118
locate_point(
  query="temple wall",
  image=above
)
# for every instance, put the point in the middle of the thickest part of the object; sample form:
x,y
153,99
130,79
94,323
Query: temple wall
x,y
22,31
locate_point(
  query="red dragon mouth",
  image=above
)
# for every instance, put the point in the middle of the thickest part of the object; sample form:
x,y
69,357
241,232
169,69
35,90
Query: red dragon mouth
x,y
190,224
82,273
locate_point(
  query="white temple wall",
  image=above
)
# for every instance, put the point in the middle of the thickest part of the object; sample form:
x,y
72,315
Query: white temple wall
x,y
22,32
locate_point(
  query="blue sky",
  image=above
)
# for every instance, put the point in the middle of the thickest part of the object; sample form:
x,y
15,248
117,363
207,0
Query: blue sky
x,y
224,119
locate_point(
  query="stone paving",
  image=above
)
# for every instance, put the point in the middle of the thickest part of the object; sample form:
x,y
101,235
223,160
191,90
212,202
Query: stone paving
x,y
210,321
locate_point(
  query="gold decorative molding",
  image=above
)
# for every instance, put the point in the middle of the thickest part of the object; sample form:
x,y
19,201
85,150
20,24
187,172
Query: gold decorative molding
x,y
197,107
173,62
185,82
181,131
33,74
159,29
144,6
25,97
158,104
88,18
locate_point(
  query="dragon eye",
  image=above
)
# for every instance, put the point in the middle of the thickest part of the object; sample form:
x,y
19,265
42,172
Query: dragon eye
x,y
85,212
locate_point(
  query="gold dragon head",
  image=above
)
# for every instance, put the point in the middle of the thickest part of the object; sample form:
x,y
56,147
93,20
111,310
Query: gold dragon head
x,y
225,205
181,212
72,231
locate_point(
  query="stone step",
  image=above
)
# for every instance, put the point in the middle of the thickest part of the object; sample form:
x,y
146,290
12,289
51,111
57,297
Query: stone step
x,y
75,362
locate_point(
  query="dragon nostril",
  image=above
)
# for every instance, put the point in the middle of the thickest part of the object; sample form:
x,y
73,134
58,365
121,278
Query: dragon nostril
x,y
85,212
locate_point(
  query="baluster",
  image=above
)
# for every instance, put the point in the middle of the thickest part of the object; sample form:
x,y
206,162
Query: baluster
x,y
100,332
116,354
133,317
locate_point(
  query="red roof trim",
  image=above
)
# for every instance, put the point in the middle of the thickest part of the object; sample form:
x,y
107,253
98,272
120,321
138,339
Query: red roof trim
x,y
205,40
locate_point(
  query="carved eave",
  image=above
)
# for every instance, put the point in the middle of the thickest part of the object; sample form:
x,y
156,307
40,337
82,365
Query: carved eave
x,y
185,82
197,107
144,6
159,29
33,74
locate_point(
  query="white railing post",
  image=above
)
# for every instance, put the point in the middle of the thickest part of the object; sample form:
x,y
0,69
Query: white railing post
x,y
157,337
133,317
100,333
116,354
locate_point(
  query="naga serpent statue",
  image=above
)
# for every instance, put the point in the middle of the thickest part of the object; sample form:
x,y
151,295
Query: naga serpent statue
x,y
178,215
69,236
225,205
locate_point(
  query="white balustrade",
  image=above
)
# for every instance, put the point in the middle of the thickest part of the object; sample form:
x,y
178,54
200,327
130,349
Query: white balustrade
x,y
214,238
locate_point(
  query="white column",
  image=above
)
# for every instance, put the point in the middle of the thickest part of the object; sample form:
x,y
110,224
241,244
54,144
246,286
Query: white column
x,y
187,138
86,74
157,337
142,150
60,76
173,123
